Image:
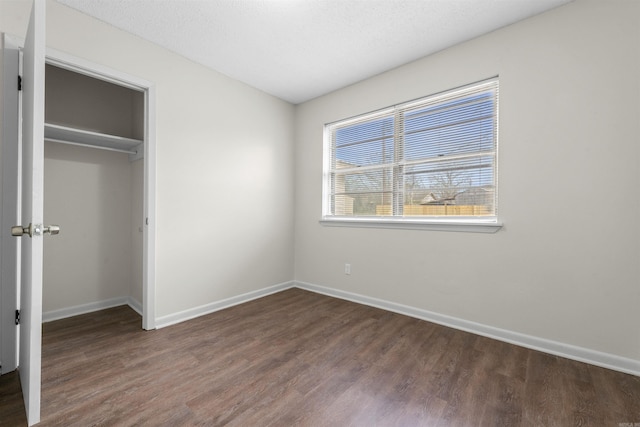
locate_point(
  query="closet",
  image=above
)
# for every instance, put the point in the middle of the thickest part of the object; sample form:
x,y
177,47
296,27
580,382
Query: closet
x,y
94,179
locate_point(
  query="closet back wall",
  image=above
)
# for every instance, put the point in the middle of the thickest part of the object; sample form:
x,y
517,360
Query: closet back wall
x,y
89,193
76,100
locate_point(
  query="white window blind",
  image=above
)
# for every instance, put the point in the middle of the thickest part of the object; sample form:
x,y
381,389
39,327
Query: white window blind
x,y
430,159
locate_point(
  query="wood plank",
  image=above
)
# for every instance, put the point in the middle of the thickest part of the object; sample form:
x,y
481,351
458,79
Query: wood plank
x,y
299,358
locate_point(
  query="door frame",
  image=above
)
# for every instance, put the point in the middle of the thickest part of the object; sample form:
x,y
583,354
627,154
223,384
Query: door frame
x,y
98,71
82,66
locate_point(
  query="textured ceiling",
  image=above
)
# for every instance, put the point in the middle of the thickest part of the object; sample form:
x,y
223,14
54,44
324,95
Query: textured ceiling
x,y
300,49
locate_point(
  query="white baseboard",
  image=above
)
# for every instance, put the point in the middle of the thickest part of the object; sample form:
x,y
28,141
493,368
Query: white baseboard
x,y
63,313
581,354
181,316
135,305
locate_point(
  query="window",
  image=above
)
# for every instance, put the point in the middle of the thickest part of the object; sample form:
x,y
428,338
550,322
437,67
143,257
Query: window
x,y
427,161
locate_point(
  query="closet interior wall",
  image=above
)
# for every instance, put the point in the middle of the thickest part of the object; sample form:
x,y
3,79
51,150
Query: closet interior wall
x,y
95,195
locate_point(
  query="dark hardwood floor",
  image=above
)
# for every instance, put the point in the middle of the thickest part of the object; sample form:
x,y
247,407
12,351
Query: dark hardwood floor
x,y
298,358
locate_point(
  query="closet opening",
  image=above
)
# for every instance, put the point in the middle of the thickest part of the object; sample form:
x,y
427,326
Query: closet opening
x,y
96,187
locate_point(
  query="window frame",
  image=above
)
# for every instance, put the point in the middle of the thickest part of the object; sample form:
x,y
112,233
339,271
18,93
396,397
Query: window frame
x,y
481,224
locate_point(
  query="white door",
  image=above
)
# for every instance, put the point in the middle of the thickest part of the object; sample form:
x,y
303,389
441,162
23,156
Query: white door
x,y
32,211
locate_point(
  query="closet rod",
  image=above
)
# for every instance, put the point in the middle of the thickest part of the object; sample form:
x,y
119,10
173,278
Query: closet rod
x,y
119,150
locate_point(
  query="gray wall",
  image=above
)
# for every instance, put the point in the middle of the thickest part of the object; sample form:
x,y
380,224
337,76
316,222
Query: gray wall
x,y
565,267
89,193
224,164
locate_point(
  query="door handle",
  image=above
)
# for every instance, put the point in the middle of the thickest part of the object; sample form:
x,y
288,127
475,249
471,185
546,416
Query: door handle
x,y
34,230
18,230
52,229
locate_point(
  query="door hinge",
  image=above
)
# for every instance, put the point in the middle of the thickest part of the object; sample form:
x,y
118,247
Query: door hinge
x,y
17,317
19,82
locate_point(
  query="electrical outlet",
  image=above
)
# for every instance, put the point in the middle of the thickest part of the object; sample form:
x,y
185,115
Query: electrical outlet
x,y
347,269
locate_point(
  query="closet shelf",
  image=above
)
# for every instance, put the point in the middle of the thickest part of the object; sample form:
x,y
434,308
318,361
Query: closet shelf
x,y
74,136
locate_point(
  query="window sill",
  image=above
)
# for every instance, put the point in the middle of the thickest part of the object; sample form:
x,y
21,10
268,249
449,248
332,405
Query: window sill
x,y
409,224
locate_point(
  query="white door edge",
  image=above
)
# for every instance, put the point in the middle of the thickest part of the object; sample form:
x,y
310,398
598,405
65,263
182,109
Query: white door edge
x,y
10,205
